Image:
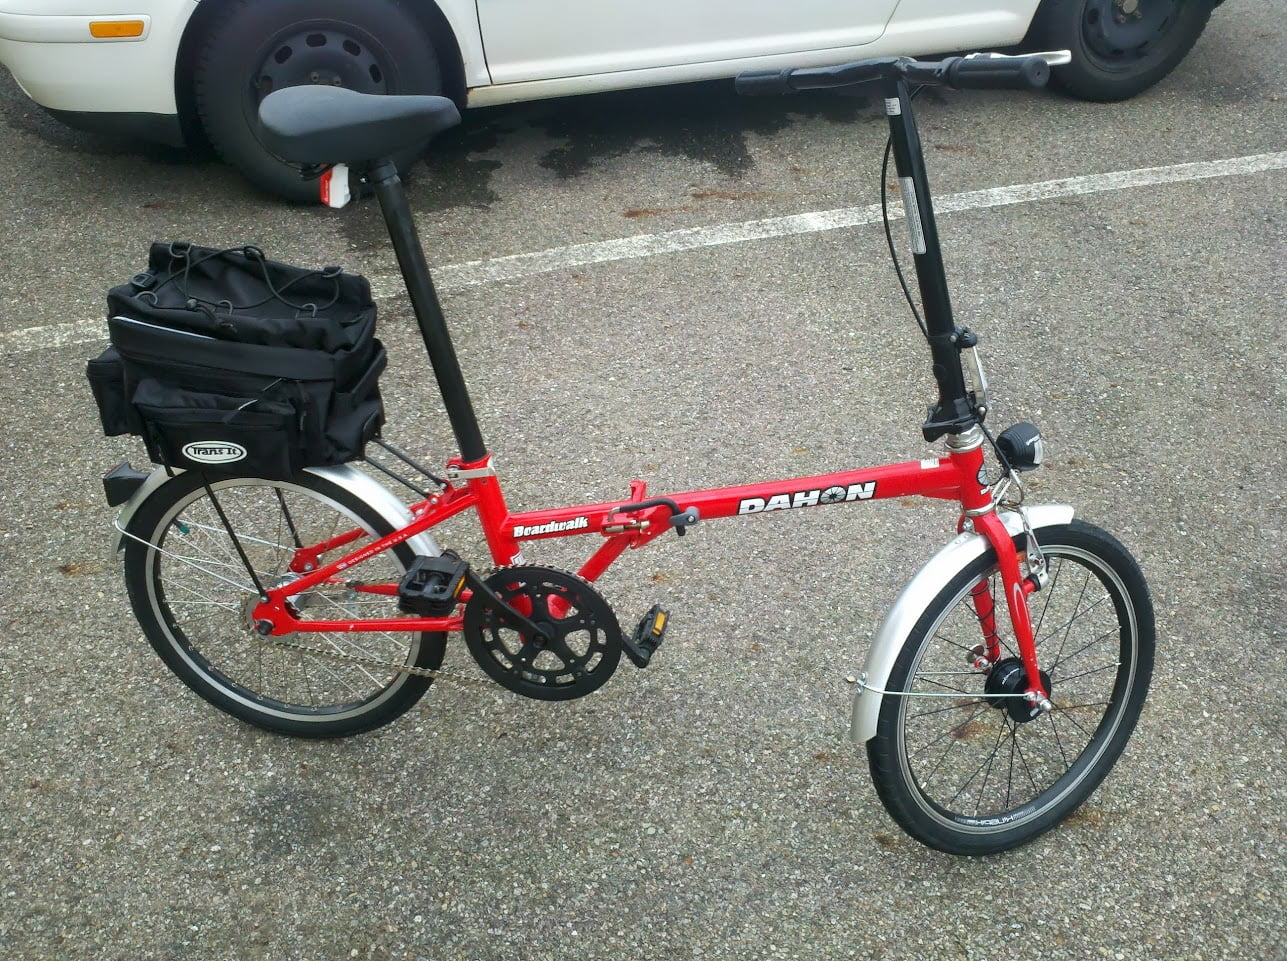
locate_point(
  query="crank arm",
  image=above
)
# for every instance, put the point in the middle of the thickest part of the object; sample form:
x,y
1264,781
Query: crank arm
x,y
504,613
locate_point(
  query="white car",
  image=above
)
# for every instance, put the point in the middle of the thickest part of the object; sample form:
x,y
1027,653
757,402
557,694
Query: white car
x,y
180,70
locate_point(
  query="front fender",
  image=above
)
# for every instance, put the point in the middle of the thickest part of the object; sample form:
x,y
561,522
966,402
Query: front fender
x,y
360,485
916,597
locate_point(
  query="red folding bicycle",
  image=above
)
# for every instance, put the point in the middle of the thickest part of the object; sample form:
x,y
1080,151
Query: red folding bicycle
x,y
997,694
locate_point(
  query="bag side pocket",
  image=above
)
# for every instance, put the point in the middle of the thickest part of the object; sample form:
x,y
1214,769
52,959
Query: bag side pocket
x,y
357,414
218,433
106,376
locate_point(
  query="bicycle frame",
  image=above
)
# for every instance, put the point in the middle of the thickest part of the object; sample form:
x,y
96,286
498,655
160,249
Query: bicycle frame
x,y
636,521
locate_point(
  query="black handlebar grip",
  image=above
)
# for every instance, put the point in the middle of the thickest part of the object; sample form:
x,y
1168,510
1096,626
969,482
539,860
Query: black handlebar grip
x,y
763,83
998,73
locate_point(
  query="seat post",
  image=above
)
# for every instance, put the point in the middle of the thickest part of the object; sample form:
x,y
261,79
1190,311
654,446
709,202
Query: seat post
x,y
424,301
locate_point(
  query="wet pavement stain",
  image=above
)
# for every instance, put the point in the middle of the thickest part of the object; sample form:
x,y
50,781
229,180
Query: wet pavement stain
x,y
288,820
362,225
705,123
452,174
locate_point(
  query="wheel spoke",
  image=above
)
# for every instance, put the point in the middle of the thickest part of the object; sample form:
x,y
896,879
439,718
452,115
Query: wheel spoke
x,y
1085,706
196,608
1071,620
950,733
1023,758
220,536
953,642
1052,666
987,771
1071,719
985,763
1116,665
933,680
944,710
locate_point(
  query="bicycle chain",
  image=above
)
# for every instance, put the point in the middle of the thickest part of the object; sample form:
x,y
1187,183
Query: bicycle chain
x,y
429,672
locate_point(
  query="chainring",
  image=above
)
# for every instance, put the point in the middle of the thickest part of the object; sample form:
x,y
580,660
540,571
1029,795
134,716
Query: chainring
x,y
576,651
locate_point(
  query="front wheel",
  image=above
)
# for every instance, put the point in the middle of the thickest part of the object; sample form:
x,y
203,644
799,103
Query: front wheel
x,y
1119,47
954,762
193,597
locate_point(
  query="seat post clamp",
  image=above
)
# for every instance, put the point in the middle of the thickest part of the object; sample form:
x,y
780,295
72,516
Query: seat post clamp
x,y
457,473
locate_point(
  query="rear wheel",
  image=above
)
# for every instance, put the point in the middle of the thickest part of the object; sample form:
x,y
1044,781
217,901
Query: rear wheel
x,y
962,765
193,597
1119,47
371,46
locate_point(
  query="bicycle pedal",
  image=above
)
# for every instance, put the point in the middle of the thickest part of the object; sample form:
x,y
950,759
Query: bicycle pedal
x,y
647,637
432,585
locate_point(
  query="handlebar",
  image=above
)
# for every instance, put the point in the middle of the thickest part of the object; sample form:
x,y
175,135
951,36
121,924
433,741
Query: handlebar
x,y
975,72
997,73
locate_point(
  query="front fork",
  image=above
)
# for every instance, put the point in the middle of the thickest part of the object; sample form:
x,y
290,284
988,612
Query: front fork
x,y
966,450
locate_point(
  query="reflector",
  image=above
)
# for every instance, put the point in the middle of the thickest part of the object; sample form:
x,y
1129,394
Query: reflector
x,y
115,29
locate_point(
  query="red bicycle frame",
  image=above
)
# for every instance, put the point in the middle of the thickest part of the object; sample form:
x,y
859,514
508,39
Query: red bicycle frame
x,y
631,523
626,525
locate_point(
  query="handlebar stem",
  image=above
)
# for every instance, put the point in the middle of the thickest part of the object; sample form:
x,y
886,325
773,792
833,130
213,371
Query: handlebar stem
x,y
954,411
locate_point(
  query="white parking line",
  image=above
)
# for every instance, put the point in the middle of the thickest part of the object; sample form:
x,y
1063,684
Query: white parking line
x,y
649,245
477,272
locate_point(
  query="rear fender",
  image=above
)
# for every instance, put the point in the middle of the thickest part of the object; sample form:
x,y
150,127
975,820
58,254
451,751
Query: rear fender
x,y
917,596
360,485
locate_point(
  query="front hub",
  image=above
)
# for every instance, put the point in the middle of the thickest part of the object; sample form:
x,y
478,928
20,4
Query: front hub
x,y
1006,683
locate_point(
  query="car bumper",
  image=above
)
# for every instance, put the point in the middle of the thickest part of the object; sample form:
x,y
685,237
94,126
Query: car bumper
x,y
162,128
58,62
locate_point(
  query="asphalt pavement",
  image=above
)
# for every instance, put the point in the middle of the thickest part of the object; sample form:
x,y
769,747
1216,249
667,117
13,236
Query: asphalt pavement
x,y
683,324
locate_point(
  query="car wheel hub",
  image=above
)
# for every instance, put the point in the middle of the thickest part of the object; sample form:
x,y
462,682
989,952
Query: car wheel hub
x,y
321,55
1125,31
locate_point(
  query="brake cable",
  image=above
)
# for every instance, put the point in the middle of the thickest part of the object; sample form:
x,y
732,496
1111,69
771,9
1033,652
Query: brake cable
x,y
1006,470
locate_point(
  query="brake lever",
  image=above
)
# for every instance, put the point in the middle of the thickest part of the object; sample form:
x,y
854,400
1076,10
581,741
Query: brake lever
x,y
1054,58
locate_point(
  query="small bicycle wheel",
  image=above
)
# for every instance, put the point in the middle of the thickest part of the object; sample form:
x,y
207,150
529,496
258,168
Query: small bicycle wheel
x,y
193,596
960,764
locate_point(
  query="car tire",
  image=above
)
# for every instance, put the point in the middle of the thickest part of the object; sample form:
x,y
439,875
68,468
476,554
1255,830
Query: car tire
x,y
373,46
1119,47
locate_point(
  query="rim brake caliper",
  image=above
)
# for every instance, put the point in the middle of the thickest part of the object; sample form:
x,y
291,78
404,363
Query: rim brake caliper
x,y
1038,574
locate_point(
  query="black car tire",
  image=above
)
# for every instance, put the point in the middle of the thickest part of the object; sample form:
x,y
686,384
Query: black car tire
x,y
373,46
1119,47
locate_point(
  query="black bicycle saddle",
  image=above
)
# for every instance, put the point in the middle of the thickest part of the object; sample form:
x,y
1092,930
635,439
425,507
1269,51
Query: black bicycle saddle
x,y
314,124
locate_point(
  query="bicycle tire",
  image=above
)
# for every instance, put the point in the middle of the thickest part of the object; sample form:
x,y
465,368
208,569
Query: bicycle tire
x,y
192,596
946,765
